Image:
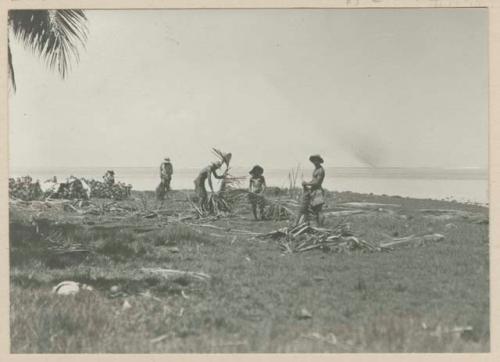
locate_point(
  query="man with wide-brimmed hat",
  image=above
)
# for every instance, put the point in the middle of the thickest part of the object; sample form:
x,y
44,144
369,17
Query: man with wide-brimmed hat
x,y
313,196
166,171
256,189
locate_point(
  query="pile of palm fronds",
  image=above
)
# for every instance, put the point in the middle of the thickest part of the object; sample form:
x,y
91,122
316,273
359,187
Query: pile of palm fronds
x,y
217,205
116,191
73,189
230,189
304,237
222,203
25,189
277,210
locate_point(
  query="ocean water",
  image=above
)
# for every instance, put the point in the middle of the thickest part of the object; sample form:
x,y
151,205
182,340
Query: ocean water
x,y
464,185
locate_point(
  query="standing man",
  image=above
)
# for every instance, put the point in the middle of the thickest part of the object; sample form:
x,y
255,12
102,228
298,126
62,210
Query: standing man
x,y
313,197
166,171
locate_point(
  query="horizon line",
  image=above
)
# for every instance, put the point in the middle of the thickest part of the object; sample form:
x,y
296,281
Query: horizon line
x,y
461,168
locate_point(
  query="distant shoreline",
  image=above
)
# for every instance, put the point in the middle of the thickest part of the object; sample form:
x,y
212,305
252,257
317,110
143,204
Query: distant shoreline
x,y
461,185
384,172
358,194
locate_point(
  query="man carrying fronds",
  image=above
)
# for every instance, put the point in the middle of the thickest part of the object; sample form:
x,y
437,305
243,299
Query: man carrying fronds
x,y
206,174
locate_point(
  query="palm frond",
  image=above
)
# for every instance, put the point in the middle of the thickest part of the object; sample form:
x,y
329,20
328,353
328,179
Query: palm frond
x,y
11,68
54,35
218,153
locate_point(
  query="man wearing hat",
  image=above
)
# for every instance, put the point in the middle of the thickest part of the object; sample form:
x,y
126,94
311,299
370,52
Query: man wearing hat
x,y
256,189
166,171
313,197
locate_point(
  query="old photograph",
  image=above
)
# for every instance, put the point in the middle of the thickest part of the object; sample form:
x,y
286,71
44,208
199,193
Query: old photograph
x,y
248,180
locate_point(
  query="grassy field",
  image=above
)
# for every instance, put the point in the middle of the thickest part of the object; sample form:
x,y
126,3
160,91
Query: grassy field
x,y
406,300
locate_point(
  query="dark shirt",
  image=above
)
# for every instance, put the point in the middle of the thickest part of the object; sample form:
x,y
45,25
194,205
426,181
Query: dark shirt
x,y
166,169
257,184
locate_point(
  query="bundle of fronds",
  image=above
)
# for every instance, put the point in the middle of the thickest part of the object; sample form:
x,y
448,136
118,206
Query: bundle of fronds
x,y
116,191
230,188
25,189
217,205
277,210
304,237
71,190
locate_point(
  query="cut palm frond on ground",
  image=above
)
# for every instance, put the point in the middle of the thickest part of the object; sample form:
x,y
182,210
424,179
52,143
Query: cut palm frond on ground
x,y
304,237
416,240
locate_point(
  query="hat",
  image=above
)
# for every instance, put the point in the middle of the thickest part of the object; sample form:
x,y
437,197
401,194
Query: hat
x,y
166,159
256,170
225,157
316,158
111,172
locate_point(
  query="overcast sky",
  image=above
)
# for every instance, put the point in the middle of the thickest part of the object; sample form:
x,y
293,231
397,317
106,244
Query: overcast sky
x,y
361,87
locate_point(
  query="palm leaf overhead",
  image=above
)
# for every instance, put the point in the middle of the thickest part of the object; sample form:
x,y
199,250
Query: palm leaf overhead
x,y
54,35
11,67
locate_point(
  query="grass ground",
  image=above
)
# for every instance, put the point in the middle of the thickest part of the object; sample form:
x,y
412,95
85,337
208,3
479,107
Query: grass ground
x,y
406,300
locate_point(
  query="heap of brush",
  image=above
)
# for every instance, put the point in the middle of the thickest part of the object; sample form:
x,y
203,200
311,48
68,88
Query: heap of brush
x,y
303,237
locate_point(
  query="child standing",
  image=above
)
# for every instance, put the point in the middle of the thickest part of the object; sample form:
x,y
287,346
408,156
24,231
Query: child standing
x,y
256,188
